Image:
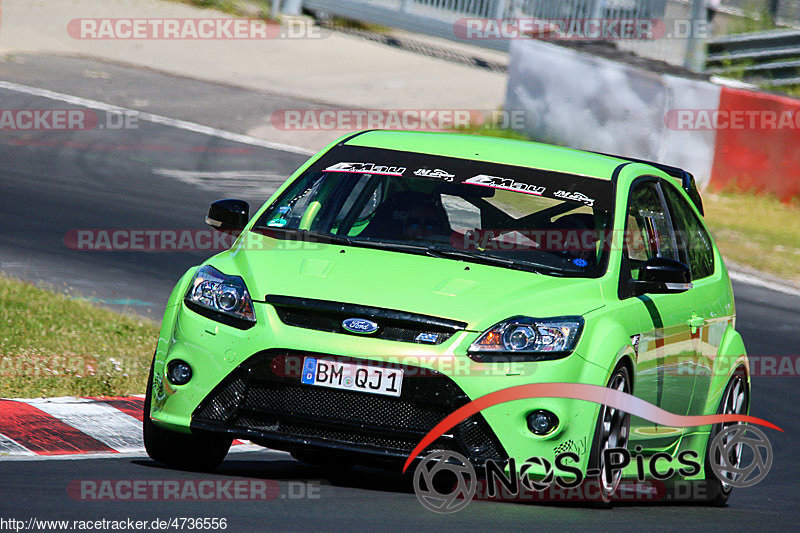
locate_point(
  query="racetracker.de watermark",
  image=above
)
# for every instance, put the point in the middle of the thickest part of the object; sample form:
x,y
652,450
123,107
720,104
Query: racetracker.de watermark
x,y
193,29
558,29
216,489
413,366
505,240
396,119
734,119
65,120
580,29
152,240
761,366
566,240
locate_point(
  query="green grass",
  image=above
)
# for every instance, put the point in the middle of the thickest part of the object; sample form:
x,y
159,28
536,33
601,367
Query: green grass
x,y
53,345
790,90
345,23
756,231
757,18
226,6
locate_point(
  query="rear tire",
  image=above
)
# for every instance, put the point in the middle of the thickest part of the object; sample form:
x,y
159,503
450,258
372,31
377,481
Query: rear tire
x,y
611,431
198,452
735,400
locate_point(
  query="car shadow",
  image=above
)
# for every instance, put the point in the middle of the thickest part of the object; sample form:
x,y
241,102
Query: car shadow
x,y
388,481
289,469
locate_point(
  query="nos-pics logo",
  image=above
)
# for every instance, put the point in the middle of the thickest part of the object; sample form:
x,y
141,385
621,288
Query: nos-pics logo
x,y
446,482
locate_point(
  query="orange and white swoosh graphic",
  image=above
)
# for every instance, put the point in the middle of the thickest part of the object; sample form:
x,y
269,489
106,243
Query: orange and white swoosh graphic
x,y
577,391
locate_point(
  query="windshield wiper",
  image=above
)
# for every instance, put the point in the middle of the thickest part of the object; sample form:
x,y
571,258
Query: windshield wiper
x,y
493,260
432,251
302,235
396,246
445,253
331,238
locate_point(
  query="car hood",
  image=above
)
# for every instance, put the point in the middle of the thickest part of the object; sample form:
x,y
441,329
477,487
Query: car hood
x,y
477,294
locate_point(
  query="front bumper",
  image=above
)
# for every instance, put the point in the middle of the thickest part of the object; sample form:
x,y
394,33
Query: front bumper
x,y
249,396
263,400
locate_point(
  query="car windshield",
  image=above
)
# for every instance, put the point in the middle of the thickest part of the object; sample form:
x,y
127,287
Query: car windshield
x,y
514,217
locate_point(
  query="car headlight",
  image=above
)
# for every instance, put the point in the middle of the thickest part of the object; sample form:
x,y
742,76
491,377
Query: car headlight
x,y
523,338
221,297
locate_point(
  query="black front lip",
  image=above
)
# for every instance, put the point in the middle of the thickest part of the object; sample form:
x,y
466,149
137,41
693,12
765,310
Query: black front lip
x,y
256,404
291,443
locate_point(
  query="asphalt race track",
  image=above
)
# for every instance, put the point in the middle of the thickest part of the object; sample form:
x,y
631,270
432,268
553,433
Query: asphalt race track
x,y
54,182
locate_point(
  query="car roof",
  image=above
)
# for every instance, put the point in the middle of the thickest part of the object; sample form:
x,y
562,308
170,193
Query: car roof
x,y
492,149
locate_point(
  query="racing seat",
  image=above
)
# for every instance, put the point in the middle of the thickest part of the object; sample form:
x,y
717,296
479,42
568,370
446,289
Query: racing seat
x,y
583,224
389,221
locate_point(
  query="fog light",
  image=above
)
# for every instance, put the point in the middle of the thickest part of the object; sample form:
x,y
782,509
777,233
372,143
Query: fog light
x,y
542,422
179,372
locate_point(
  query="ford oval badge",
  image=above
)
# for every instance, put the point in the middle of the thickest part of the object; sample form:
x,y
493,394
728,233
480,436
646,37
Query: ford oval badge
x,y
360,326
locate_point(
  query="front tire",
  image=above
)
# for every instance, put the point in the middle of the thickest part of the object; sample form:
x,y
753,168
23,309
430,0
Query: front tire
x,y
735,400
612,431
197,452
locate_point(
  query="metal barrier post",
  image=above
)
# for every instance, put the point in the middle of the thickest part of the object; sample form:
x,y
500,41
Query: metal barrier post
x,y
500,9
292,7
695,47
597,9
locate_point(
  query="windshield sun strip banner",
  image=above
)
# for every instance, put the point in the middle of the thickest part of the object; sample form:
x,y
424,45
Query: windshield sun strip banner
x,y
545,183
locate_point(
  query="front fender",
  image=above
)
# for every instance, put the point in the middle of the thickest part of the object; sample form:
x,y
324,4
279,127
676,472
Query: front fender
x,y
732,354
166,339
165,336
602,333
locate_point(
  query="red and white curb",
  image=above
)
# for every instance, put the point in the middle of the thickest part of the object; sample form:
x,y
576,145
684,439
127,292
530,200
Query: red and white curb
x,y
70,427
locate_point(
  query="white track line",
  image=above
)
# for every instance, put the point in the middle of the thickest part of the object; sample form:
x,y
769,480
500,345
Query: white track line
x,y
247,181
156,119
750,279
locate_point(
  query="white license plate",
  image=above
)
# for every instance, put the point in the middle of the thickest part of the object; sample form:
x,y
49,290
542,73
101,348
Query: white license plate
x,y
349,376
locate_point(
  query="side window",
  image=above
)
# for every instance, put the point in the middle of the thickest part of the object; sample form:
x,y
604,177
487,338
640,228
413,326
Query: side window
x,y
648,231
304,193
693,239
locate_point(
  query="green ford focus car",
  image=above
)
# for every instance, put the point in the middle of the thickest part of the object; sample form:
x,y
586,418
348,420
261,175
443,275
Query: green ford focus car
x,y
397,276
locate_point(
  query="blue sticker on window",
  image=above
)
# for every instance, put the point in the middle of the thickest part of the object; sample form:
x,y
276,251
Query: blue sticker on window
x,y
578,262
277,223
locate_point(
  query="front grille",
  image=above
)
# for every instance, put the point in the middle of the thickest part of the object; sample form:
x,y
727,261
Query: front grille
x,y
324,315
257,402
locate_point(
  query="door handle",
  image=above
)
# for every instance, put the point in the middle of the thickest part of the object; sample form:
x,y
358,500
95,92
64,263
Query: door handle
x,y
696,322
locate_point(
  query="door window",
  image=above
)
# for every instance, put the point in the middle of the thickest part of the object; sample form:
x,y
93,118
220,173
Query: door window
x,y
648,231
694,242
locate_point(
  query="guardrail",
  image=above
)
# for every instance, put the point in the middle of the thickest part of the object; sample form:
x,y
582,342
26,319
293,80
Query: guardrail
x,y
770,58
429,17
437,17
783,12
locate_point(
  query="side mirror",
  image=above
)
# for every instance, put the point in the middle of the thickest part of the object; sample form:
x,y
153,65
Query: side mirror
x,y
663,276
228,215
